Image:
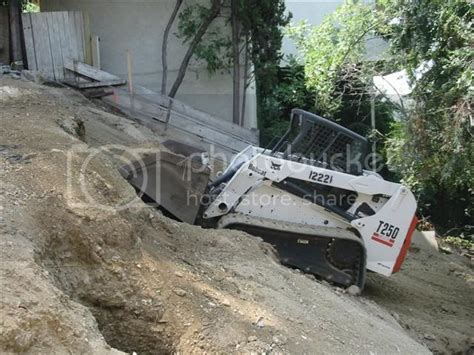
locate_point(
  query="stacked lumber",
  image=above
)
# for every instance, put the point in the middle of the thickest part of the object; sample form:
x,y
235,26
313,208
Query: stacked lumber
x,y
159,112
88,77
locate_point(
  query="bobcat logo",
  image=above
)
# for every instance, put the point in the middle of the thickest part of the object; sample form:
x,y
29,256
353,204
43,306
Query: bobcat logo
x,y
276,167
257,170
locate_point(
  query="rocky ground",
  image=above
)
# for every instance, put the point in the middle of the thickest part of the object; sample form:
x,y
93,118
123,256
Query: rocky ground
x,y
88,268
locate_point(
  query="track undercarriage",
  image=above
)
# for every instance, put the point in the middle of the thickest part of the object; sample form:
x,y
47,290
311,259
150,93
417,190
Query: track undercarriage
x,y
333,254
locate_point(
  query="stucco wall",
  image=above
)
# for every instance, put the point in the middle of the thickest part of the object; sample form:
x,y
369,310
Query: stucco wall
x,y
138,25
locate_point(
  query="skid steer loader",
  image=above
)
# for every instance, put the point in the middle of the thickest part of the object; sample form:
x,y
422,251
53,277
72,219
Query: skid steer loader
x,y
308,196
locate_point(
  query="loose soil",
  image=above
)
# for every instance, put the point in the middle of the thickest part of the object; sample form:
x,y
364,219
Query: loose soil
x,y
88,268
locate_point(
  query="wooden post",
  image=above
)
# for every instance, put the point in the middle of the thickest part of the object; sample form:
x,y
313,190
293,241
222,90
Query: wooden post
x,y
168,113
14,16
130,80
129,71
374,127
95,51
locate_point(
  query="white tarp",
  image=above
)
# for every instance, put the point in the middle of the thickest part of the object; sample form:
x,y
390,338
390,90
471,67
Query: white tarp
x,y
396,86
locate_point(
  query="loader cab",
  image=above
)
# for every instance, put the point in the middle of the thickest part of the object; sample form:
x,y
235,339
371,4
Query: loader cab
x,y
314,140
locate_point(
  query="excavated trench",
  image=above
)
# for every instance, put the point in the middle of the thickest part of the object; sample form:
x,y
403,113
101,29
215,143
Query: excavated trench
x,y
93,264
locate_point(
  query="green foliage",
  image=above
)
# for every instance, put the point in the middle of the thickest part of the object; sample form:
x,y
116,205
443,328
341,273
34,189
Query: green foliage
x,y
463,245
460,243
26,5
433,151
288,92
334,52
30,7
261,23
334,80
291,92
215,47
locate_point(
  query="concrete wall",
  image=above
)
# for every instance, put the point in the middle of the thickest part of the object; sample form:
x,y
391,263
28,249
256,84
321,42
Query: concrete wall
x,y
138,25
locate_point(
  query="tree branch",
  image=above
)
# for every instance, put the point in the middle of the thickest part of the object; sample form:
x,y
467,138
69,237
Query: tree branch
x,y
164,51
214,12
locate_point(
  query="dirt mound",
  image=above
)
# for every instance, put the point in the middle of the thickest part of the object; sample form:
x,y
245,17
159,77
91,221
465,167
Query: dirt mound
x,y
89,268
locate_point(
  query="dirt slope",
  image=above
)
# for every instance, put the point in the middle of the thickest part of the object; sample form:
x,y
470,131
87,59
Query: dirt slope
x,y
77,278
432,298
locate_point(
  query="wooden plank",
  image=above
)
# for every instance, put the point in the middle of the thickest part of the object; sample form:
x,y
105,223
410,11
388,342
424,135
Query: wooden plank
x,y
97,84
80,42
55,43
89,71
157,114
87,39
51,39
251,136
42,46
129,72
29,41
97,93
58,28
66,51
71,30
95,51
150,121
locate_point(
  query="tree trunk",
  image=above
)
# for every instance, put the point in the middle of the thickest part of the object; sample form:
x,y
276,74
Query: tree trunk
x,y
214,12
164,50
14,15
236,57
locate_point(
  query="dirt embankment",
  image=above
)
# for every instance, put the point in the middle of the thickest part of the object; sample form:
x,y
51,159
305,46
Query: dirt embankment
x,y
78,278
432,298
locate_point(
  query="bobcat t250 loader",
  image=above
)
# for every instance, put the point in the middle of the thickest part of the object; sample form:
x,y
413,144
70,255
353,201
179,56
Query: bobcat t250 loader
x,y
308,196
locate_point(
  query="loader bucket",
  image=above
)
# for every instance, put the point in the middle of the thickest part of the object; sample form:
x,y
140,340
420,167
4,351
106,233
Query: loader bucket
x,y
174,178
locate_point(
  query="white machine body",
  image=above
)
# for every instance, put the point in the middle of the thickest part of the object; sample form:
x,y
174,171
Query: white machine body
x,y
385,234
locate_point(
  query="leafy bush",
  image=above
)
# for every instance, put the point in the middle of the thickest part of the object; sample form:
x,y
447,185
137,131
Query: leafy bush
x,y
289,91
433,151
333,53
330,77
